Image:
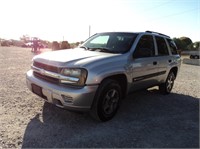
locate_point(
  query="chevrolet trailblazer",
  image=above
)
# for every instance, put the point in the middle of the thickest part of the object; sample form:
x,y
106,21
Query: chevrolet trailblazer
x,y
97,75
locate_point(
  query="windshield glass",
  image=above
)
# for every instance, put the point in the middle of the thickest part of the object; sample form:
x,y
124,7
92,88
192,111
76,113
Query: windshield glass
x,y
110,42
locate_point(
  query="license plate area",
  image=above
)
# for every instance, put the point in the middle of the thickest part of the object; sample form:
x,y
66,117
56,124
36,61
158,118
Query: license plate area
x,y
38,90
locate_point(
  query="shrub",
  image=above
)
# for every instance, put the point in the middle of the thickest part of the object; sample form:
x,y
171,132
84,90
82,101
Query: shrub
x,y
55,45
5,43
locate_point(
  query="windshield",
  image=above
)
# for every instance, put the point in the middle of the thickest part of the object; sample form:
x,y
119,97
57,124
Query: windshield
x,y
110,42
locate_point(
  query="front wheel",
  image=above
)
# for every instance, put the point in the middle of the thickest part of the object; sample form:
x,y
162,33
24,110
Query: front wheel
x,y
107,100
166,87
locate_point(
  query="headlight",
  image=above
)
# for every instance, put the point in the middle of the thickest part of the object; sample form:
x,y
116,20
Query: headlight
x,y
75,76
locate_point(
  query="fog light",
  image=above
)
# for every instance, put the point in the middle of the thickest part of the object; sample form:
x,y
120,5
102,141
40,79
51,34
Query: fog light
x,y
57,102
67,99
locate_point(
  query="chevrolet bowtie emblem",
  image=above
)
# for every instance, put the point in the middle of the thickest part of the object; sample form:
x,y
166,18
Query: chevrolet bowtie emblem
x,y
42,71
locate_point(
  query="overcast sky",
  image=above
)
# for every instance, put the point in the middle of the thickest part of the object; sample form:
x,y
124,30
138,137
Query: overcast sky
x,y
55,19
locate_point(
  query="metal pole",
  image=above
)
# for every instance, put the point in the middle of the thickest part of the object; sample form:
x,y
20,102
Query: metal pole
x,y
89,30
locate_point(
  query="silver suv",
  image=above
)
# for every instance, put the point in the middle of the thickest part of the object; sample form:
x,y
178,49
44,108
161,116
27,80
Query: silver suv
x,y
96,76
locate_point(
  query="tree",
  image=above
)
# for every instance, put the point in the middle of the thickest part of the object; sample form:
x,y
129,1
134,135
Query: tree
x,y
65,45
178,43
194,46
183,43
186,40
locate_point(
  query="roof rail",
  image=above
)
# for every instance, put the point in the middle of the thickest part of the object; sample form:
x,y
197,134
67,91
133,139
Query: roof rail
x,y
157,33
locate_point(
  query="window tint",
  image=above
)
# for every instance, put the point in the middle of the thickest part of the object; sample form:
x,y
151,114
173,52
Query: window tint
x,y
162,46
100,40
145,47
172,46
120,42
112,42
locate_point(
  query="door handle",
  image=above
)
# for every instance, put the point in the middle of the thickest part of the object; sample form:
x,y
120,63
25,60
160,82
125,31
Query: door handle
x,y
155,63
170,61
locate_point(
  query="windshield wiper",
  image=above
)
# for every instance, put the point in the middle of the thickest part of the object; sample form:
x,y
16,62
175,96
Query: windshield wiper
x,y
84,47
101,49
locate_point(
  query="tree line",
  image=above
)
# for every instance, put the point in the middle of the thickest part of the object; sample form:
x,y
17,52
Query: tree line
x,y
186,44
26,41
183,43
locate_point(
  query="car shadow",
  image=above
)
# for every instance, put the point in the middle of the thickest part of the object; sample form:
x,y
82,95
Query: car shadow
x,y
146,119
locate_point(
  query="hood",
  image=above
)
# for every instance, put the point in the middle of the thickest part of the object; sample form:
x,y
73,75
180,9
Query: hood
x,y
73,57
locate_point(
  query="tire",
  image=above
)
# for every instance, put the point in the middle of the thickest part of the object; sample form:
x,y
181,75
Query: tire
x,y
196,57
107,100
166,87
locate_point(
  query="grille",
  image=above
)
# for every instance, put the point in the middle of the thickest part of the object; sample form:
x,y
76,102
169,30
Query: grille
x,y
47,67
46,78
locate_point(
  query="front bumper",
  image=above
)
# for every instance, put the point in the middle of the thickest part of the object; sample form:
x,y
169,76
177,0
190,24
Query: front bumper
x,y
79,99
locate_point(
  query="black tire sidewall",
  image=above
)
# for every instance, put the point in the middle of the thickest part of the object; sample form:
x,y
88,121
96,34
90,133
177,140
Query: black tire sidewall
x,y
171,73
163,87
106,86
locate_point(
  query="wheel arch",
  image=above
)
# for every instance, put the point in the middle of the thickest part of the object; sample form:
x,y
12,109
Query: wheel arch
x,y
122,80
174,70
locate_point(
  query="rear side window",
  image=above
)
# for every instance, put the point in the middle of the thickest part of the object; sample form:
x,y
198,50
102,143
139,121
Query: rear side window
x,y
145,47
162,46
172,46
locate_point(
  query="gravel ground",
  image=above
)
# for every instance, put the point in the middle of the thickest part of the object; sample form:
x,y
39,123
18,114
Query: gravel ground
x,y
146,119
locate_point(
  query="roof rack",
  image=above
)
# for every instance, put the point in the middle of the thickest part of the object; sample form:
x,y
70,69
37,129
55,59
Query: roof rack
x,y
157,33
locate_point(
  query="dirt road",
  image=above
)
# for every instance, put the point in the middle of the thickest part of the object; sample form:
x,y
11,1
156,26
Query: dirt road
x,y
146,119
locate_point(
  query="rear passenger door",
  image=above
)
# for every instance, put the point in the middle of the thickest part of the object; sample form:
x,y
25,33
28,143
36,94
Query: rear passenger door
x,y
144,65
163,57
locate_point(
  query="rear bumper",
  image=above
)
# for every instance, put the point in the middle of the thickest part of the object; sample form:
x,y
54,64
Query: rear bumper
x,y
79,99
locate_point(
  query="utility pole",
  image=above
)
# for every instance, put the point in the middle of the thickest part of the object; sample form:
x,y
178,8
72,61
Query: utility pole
x,y
89,30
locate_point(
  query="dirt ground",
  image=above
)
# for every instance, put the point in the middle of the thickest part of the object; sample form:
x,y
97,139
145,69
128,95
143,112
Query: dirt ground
x,y
146,119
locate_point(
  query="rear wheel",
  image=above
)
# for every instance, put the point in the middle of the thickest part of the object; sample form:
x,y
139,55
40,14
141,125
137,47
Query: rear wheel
x,y
196,57
107,100
166,87
191,57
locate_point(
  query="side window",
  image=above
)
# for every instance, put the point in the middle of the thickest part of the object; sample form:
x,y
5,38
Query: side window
x,y
145,47
162,46
172,46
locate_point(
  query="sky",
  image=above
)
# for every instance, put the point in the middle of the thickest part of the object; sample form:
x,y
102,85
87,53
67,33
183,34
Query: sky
x,y
55,20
